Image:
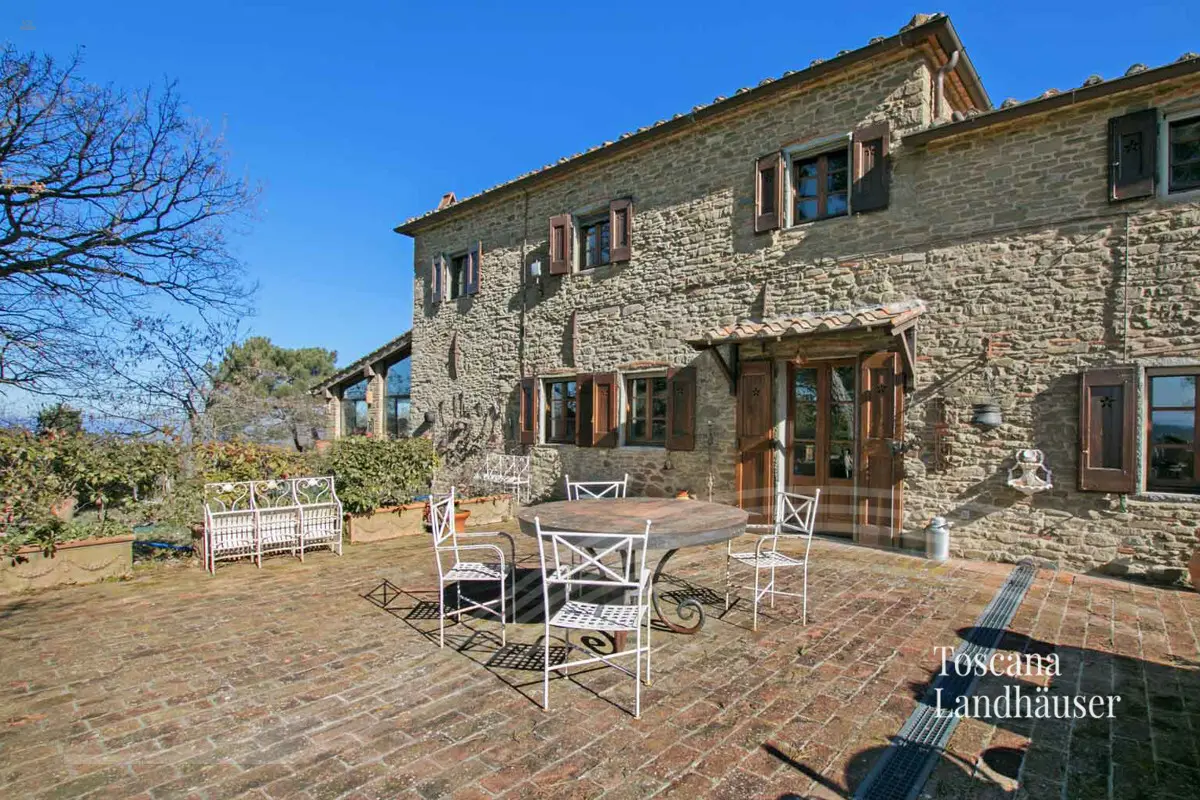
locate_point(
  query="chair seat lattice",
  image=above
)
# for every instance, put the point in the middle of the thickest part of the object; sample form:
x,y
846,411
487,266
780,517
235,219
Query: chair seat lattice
x,y
775,559
594,617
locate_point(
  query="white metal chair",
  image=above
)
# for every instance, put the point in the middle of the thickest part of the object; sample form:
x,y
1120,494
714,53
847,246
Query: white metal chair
x,y
583,490
230,523
320,513
795,515
277,518
446,543
571,559
507,472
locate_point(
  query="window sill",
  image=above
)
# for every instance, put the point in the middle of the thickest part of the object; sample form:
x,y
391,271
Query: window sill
x,y
804,226
1161,496
1186,196
650,448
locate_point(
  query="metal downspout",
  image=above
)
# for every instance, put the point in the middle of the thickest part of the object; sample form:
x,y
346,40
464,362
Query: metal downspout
x,y
939,86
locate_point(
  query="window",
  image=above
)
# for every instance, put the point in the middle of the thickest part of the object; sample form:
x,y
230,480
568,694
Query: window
x,y
823,422
1171,463
458,276
820,186
646,410
396,404
1183,154
354,410
594,240
560,411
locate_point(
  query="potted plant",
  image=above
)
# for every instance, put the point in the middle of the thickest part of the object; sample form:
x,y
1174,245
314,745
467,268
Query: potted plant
x,y
460,514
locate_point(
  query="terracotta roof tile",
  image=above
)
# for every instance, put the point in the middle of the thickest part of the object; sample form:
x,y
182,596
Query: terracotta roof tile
x,y
889,314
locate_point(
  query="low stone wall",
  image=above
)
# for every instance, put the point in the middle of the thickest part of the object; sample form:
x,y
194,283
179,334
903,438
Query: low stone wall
x,y
85,561
407,520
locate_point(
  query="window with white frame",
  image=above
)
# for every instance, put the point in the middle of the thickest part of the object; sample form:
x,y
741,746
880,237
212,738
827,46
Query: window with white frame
x,y
1181,136
559,408
646,410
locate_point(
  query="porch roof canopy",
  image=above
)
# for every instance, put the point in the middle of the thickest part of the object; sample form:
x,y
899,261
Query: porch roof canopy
x,y
898,317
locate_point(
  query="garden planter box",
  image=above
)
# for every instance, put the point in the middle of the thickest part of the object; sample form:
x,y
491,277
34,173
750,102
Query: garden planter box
x,y
407,520
85,561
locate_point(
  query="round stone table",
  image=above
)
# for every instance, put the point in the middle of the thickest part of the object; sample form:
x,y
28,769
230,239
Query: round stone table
x,y
674,525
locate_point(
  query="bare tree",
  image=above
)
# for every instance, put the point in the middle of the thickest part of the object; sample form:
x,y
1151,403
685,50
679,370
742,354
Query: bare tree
x,y
114,258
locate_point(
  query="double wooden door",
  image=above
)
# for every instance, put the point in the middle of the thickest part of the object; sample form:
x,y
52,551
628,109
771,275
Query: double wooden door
x,y
843,423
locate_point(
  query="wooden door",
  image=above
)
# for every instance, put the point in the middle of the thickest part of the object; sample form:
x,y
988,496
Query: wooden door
x,y
821,439
880,479
755,428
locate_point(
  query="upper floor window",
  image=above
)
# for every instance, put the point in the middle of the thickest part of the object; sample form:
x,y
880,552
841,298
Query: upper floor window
x,y
1173,453
560,411
646,410
1183,154
458,276
820,186
594,240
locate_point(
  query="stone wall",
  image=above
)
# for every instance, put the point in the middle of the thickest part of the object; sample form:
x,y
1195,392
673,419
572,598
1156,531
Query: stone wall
x,y
1005,234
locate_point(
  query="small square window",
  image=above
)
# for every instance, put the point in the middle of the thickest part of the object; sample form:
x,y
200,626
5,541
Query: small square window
x,y
1183,154
594,242
820,186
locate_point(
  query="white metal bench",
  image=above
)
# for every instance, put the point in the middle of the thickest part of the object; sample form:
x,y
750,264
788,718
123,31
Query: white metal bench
x,y
247,519
507,472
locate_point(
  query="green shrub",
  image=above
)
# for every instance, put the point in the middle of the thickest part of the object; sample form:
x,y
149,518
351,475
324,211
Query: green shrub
x,y
372,473
213,462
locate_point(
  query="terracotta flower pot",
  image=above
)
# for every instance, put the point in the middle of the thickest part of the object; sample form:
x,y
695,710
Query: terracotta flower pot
x,y
460,519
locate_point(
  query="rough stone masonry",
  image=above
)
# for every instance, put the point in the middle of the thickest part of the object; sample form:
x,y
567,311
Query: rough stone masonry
x,y
1005,232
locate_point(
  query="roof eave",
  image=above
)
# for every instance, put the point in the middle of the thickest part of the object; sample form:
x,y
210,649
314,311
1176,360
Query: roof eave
x,y
940,28
1041,105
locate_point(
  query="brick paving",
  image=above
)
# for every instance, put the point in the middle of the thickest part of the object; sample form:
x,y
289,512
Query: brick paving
x,y
291,683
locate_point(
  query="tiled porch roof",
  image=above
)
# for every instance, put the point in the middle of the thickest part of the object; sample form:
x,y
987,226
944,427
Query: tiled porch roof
x,y
890,314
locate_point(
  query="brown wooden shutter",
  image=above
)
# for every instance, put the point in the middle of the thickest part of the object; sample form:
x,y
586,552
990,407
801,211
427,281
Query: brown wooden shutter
x,y
1133,152
604,410
870,188
560,244
768,192
437,279
529,410
620,224
681,409
1107,418
584,409
474,263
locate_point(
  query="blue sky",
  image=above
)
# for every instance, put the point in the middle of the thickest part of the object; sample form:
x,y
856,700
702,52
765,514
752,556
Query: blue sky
x,y
355,116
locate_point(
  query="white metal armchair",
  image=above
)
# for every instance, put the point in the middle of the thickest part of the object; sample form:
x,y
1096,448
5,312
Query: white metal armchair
x,y
451,568
578,560
795,515
583,490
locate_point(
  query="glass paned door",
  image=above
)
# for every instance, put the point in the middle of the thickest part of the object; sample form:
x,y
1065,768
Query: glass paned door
x,y
821,443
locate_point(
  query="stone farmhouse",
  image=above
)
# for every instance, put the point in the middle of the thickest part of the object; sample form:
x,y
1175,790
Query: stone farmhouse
x,y
861,277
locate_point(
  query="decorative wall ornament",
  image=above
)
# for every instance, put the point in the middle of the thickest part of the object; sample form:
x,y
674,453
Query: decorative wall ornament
x,y
1030,475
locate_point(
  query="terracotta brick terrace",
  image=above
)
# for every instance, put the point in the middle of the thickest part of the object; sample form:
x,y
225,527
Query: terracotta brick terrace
x,y
292,683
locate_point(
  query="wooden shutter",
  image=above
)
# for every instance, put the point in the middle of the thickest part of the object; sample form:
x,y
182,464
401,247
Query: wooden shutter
x,y
473,265
584,410
1107,414
604,410
620,224
768,192
529,411
870,189
1133,151
437,279
681,409
560,244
